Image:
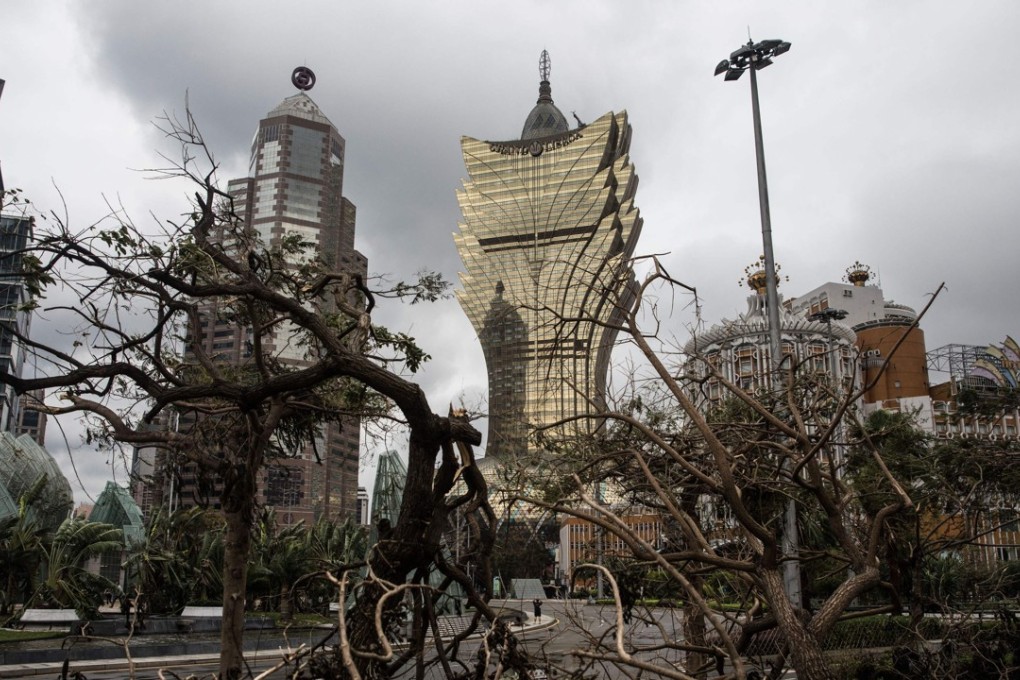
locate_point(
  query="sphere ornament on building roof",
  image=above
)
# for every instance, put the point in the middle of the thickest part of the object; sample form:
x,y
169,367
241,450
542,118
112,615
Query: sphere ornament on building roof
x,y
303,78
544,65
858,274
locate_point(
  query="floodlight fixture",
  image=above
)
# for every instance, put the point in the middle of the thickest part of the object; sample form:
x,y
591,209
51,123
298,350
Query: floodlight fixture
x,y
741,53
756,55
828,315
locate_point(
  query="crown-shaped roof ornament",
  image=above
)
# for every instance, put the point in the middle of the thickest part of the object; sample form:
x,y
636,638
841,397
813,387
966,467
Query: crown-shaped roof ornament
x,y
858,274
754,276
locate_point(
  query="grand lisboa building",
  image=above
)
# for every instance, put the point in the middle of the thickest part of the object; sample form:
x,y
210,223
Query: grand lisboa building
x,y
549,225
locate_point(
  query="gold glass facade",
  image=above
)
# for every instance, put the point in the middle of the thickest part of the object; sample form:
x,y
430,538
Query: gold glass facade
x,y
549,225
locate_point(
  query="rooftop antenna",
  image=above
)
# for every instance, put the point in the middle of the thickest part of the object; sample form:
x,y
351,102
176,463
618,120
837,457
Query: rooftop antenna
x,y
543,66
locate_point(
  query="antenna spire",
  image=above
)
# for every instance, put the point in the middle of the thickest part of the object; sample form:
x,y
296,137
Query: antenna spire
x,y
544,88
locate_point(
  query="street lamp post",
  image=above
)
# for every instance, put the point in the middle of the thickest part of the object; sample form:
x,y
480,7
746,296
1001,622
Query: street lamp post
x,y
828,315
753,57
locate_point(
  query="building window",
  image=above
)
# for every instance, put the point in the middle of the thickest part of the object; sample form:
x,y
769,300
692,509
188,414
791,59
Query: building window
x,y
816,353
744,360
270,133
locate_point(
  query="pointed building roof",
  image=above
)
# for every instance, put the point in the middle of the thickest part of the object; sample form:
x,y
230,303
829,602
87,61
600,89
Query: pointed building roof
x,y
116,506
302,106
388,493
545,119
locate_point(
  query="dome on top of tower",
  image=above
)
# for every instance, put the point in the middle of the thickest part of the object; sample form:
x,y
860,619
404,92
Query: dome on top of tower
x,y
302,106
545,119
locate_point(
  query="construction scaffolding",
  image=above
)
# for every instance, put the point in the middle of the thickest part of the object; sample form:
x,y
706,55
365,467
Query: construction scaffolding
x,y
982,368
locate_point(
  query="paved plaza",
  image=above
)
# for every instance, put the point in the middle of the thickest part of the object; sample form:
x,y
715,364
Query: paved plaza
x,y
564,627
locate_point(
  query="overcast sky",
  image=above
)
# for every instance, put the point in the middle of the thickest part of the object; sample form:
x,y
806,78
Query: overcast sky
x,y
891,134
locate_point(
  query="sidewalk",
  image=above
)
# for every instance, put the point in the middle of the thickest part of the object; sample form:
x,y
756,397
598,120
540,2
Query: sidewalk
x,y
53,669
88,666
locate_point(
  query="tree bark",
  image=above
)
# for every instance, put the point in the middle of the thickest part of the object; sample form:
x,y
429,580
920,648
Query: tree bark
x,y
238,502
286,603
694,632
805,650
694,618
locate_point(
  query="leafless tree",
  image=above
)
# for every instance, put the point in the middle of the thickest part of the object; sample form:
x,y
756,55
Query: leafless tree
x,y
136,299
664,448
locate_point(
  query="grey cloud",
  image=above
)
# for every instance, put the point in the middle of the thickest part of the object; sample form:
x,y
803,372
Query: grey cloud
x,y
889,130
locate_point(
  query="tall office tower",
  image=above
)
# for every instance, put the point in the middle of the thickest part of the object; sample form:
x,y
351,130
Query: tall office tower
x,y
153,483
15,236
29,420
549,225
295,186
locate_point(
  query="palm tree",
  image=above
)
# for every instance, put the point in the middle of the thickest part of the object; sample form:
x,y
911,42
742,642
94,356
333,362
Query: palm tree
x,y
282,558
22,540
66,580
210,554
334,546
176,562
